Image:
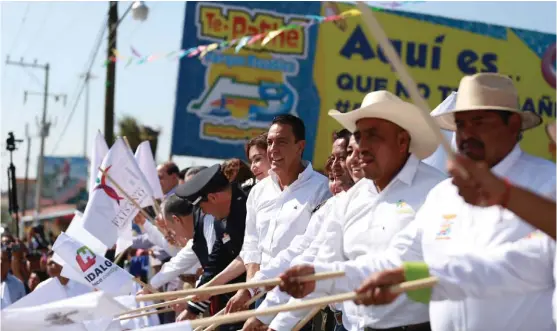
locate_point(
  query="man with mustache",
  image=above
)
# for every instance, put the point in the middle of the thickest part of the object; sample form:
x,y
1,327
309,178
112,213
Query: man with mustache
x,y
393,138
488,125
279,206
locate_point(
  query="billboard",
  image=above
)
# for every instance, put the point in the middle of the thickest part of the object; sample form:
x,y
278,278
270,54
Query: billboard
x,y
64,180
223,98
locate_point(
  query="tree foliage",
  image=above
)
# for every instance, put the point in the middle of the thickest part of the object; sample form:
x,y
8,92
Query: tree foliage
x,y
137,133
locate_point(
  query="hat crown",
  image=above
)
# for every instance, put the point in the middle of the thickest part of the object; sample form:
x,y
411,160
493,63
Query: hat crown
x,y
379,96
486,90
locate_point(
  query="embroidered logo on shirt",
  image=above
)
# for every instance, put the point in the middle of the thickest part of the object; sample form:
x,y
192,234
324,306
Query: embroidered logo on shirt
x,y
446,227
225,238
403,208
535,234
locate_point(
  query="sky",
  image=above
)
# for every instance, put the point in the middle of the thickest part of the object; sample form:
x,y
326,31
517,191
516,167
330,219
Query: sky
x,y
63,34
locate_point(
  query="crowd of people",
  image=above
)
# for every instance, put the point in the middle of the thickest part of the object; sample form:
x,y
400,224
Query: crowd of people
x,y
484,224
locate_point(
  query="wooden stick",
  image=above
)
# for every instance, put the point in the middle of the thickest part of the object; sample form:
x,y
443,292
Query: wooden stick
x,y
120,256
319,302
146,286
379,34
307,318
147,313
158,305
252,300
215,290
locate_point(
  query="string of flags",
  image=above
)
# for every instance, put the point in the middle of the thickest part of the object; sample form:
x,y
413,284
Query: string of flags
x,y
201,50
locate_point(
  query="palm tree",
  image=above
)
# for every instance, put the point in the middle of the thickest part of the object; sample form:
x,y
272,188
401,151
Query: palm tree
x,y
137,133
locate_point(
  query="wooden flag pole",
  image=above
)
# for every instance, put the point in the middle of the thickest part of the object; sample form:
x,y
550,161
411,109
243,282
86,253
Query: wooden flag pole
x,y
158,305
307,318
147,313
215,290
252,300
319,302
144,285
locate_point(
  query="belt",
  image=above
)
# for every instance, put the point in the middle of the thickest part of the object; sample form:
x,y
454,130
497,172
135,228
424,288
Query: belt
x,y
338,317
414,327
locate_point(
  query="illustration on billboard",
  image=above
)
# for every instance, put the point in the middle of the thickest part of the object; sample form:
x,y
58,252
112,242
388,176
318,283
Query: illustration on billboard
x,y
227,97
64,180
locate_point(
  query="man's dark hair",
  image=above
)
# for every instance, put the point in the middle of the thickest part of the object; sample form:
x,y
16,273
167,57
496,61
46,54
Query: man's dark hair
x,y
194,170
297,125
173,205
172,169
342,134
50,254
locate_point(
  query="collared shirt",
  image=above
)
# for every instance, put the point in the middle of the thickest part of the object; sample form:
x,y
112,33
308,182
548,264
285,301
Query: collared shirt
x,y
365,220
446,226
185,262
158,239
275,216
519,267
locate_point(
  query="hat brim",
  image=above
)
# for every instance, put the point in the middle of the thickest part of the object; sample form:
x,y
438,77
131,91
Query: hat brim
x,y
530,120
423,140
551,132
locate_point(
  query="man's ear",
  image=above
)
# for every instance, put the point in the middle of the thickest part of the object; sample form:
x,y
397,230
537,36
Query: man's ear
x,y
176,219
301,146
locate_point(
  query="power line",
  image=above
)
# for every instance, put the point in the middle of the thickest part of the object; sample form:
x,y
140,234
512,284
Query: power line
x,y
40,30
16,38
33,76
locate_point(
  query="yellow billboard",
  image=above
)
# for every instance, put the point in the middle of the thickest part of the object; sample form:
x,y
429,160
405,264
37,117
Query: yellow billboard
x,y
438,52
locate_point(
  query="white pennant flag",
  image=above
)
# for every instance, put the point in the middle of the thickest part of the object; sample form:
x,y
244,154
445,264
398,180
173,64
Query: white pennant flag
x,y
181,326
77,232
146,161
109,213
100,149
63,313
438,159
99,272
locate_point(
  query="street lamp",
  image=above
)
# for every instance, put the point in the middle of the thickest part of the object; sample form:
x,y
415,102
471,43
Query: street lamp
x,y
139,12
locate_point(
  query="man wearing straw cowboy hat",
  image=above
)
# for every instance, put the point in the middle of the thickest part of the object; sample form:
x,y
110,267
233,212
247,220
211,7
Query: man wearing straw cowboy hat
x,y
524,266
393,139
488,125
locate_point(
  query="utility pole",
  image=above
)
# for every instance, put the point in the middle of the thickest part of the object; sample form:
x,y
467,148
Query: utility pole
x,y
26,182
87,77
110,74
12,183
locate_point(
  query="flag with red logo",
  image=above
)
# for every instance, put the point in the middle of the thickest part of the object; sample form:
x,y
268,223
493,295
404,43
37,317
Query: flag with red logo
x,y
100,148
109,214
146,160
97,271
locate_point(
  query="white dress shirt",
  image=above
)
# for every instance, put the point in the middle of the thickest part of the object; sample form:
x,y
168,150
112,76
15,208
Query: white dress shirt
x,y
365,220
185,262
512,268
446,226
274,216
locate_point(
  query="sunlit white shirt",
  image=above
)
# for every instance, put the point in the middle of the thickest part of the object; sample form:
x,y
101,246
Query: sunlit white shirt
x,y
274,216
445,227
363,221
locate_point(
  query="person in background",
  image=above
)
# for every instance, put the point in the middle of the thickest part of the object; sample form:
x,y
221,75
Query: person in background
x,y
182,176
236,171
35,279
192,171
168,176
70,287
256,152
12,289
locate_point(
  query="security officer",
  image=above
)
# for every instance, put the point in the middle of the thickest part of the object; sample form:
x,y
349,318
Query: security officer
x,y
226,202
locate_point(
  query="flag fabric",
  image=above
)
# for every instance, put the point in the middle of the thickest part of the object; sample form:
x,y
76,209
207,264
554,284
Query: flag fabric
x,y
49,292
131,303
146,161
77,232
178,326
68,313
438,159
99,272
109,214
100,149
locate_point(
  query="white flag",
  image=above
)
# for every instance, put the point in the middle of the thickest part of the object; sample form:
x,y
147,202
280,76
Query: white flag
x,y
77,232
109,214
99,272
146,161
178,326
438,159
100,149
69,312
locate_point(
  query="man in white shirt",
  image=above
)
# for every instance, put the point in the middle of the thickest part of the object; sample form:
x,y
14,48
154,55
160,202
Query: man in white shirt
x,y
488,125
393,137
279,206
12,288
168,177
70,288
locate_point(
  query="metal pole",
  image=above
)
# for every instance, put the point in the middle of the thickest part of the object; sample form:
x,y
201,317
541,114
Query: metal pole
x,y
26,182
110,74
86,123
43,133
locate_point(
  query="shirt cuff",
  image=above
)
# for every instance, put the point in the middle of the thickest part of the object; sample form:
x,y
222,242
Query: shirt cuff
x,y
325,285
415,271
284,321
251,257
265,319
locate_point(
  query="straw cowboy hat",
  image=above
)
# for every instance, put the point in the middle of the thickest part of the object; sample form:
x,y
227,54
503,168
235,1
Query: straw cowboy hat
x,y
387,106
487,91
